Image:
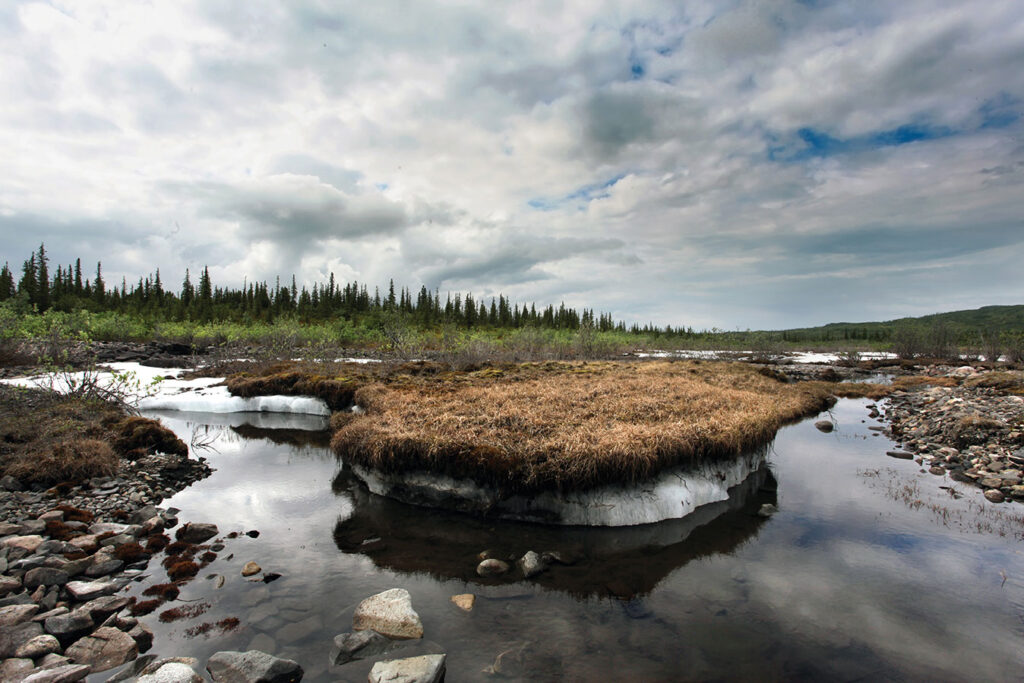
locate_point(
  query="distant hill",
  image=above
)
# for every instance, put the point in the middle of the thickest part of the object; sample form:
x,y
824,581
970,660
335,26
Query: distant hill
x,y
961,323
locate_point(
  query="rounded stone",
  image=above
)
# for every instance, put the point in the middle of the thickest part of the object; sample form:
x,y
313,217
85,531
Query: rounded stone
x,y
492,567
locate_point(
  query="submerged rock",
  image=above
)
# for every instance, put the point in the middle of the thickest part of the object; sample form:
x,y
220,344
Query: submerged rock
x,y
196,532
389,613
492,567
422,669
358,645
531,564
824,426
252,667
464,601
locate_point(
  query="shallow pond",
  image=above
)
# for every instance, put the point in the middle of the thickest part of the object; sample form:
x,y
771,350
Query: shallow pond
x,y
870,570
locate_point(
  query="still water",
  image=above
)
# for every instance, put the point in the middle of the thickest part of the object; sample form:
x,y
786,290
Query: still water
x,y
869,571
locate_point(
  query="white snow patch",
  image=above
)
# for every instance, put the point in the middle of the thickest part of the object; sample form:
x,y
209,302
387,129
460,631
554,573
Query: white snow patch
x,y
160,389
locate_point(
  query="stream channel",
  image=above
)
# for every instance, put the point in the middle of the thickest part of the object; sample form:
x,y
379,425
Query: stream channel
x,y
871,570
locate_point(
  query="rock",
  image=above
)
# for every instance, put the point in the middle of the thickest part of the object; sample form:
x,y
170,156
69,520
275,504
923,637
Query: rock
x,y
142,635
9,529
69,627
422,669
87,543
104,649
195,532
103,607
15,669
531,564
152,664
172,672
991,482
491,567
358,645
936,470
27,543
994,496
40,646
900,455
9,584
252,667
14,637
108,527
52,661
250,568
60,674
263,642
9,483
143,514
464,601
767,510
824,426
299,630
87,590
389,613
103,567
45,576
16,614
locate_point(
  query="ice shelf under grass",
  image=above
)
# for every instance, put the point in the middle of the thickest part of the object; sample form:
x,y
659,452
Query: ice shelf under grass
x,y
673,494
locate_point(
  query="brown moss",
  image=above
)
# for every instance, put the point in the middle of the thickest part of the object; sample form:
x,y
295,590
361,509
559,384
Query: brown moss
x,y
67,460
76,555
165,591
1008,382
182,570
60,531
183,612
73,514
141,434
120,515
130,552
199,630
180,547
157,542
142,607
228,624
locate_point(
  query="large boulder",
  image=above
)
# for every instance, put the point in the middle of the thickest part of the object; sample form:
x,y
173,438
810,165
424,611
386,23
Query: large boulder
x,y
252,667
389,613
104,649
422,669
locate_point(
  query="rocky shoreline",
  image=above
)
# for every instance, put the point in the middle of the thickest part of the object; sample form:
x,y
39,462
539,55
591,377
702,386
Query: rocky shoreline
x,y
970,431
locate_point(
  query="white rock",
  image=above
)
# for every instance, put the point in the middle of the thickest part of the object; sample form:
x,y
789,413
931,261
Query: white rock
x,y
389,613
422,669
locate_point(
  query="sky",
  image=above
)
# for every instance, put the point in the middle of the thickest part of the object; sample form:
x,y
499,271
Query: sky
x,y
729,165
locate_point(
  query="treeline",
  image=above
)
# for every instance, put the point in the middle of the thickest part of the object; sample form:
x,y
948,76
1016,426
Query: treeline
x,y
202,301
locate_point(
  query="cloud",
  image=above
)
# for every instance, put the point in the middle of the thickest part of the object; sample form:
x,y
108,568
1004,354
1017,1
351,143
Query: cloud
x,y
747,160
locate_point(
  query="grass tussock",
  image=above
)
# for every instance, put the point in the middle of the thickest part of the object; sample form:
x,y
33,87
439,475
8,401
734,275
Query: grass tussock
x,y
141,435
66,460
1009,382
571,425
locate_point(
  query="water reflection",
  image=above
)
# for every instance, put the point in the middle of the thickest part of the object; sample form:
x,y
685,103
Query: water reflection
x,y
623,562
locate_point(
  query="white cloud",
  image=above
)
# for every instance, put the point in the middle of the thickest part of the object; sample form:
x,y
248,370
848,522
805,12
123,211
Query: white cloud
x,y
682,164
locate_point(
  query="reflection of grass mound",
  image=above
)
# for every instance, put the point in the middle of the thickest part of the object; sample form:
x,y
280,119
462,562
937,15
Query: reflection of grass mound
x,y
571,425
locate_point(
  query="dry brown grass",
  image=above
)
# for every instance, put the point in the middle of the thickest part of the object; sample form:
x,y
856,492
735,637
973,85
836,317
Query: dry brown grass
x,y
1009,381
571,425
66,460
52,439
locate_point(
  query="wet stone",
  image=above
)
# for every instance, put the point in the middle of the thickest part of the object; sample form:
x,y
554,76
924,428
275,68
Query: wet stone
x,y
390,613
60,674
492,567
252,667
358,645
14,637
104,649
39,646
422,669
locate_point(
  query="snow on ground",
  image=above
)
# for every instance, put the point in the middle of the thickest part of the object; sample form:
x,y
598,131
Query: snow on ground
x,y
149,388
